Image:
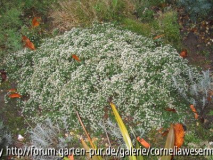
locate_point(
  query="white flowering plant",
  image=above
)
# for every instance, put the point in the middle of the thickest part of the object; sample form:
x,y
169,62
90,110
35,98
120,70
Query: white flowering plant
x,y
141,78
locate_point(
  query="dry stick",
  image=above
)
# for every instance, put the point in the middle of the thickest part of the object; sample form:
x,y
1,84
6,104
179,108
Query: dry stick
x,y
107,135
26,120
133,132
90,140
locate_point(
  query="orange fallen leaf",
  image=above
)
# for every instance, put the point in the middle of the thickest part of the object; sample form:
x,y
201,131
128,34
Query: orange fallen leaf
x,y
12,90
15,95
143,142
183,53
159,36
196,116
36,21
193,108
170,109
28,43
25,39
179,134
71,157
76,57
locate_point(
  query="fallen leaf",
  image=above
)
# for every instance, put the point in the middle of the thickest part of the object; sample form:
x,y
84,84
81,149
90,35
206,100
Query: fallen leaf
x,y
196,116
183,53
165,133
159,36
3,75
194,29
143,142
28,43
170,140
25,39
12,90
193,108
71,157
210,94
76,57
194,111
15,95
36,21
179,134
170,109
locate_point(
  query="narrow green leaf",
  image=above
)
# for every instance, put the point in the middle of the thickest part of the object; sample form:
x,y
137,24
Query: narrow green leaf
x,y
87,148
123,130
169,142
139,157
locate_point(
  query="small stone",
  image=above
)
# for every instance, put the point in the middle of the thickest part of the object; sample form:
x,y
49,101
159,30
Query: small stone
x,y
20,138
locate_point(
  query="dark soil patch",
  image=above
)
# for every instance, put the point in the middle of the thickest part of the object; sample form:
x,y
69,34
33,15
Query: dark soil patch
x,y
196,40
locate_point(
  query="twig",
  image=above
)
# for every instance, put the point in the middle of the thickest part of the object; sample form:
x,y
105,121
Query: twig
x,y
90,140
107,135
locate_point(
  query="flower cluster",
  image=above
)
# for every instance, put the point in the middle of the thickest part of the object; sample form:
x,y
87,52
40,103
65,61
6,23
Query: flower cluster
x,y
141,78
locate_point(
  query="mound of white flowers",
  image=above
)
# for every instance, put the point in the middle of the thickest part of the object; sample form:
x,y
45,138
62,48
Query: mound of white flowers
x,y
140,78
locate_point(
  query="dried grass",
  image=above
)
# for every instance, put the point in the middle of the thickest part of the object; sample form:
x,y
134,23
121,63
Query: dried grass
x,y
70,13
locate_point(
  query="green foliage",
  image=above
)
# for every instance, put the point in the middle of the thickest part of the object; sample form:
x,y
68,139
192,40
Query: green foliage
x,y
14,15
136,26
144,9
197,9
112,11
9,24
67,13
191,138
210,113
13,40
168,26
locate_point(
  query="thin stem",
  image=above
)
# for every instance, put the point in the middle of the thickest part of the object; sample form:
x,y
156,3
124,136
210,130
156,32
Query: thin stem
x,y
90,140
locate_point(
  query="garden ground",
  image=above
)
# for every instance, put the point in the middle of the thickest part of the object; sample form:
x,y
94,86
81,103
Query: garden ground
x,y
195,37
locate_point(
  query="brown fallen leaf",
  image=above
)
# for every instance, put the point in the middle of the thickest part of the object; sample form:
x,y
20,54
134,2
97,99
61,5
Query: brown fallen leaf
x,y
210,94
183,53
28,43
159,36
165,133
36,21
171,110
12,90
